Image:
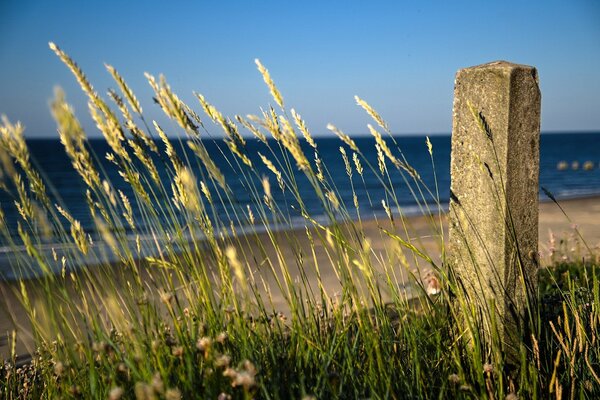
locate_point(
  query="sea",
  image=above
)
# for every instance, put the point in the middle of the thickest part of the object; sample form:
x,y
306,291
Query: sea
x,y
569,168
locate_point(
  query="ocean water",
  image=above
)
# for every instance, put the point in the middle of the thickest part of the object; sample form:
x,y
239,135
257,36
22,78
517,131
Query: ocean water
x,y
68,190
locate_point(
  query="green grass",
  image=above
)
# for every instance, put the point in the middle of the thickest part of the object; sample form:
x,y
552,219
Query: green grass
x,y
199,321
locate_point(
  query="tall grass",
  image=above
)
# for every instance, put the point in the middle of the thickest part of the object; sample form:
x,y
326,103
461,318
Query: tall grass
x,y
183,304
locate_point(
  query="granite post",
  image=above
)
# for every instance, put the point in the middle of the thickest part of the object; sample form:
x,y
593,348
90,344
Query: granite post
x,y
493,219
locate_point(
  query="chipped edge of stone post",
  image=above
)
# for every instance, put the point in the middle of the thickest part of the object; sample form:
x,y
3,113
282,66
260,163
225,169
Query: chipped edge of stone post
x,y
493,218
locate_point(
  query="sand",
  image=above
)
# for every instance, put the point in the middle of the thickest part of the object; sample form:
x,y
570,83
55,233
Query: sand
x,y
583,213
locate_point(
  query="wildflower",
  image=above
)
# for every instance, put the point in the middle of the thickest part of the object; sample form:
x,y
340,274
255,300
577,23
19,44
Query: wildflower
x,y
173,394
115,393
230,373
177,351
157,383
203,344
433,284
222,337
59,368
488,368
143,391
223,396
454,379
122,368
244,379
223,361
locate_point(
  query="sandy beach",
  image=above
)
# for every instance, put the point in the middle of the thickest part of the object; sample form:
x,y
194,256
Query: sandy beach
x,y
582,213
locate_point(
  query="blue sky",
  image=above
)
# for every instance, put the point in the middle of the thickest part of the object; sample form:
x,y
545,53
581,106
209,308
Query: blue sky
x,y
400,56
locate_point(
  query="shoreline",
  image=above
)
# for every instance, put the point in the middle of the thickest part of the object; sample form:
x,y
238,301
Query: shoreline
x,y
9,255
583,212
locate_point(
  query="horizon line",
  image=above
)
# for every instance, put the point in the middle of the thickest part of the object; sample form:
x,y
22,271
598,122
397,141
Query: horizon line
x,y
332,136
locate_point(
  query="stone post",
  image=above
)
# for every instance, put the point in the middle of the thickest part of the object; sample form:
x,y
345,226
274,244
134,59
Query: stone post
x,y
493,219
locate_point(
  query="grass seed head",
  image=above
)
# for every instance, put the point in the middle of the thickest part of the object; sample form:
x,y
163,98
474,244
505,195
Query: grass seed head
x,y
302,127
372,113
269,81
343,137
429,146
357,163
255,131
127,92
331,196
346,161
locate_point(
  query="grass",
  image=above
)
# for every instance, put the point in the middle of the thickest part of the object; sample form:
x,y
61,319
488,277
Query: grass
x,y
215,314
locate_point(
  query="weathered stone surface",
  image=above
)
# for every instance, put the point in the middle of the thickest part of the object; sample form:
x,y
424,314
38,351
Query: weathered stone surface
x,y
493,237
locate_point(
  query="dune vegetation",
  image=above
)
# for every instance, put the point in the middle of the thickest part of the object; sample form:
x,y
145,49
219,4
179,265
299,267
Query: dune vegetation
x,y
178,301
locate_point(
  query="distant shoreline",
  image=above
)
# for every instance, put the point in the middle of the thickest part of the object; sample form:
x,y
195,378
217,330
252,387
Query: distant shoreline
x,y
99,137
546,204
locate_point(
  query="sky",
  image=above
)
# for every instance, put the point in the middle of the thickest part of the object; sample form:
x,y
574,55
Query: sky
x,y
400,56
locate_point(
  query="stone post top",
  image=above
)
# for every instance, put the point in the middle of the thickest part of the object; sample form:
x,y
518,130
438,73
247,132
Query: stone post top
x,y
500,64
502,67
